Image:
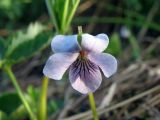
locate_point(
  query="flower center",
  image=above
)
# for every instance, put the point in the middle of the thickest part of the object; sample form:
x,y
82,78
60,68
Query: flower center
x,y
83,54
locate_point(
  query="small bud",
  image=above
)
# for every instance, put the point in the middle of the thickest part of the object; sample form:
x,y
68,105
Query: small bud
x,y
79,34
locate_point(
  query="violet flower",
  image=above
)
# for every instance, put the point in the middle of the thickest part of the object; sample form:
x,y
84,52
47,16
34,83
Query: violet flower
x,y
83,61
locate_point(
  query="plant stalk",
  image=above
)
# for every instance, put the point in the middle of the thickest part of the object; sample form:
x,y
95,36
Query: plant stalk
x,y
70,17
43,100
93,106
52,14
19,91
64,17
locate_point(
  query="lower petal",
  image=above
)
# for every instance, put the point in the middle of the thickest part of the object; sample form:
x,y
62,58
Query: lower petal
x,y
58,63
85,76
105,61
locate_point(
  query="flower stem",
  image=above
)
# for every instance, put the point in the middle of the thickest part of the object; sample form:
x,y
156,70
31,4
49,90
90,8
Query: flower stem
x,y
72,13
52,14
43,99
64,17
19,91
93,106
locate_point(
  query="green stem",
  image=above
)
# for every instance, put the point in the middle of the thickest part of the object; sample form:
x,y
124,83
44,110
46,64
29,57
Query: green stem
x,y
19,91
43,99
72,13
79,34
93,106
51,14
64,17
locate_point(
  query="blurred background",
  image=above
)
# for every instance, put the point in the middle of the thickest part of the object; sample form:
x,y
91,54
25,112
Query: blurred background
x,y
133,27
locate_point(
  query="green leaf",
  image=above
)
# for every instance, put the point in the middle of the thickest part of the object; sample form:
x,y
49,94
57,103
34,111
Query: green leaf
x,y
19,114
52,106
58,8
27,44
2,51
33,96
9,102
114,46
3,116
2,48
33,93
135,47
32,31
61,12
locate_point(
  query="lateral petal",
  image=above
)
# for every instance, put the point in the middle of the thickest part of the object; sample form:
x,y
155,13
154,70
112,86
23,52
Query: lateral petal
x,y
58,63
105,61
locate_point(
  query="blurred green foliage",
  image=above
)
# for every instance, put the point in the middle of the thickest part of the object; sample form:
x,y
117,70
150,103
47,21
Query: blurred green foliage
x,y
24,44
61,13
114,46
12,9
3,116
33,96
136,51
9,99
11,107
16,11
2,48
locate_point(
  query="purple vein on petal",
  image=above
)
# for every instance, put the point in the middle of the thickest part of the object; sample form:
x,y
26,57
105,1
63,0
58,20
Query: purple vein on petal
x,y
87,73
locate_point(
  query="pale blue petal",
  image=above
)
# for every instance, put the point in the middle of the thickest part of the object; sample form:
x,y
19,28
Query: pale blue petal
x,y
105,61
58,63
96,43
85,76
62,43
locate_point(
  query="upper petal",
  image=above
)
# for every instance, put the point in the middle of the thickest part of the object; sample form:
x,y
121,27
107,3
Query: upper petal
x,y
57,64
84,76
62,43
105,61
96,43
